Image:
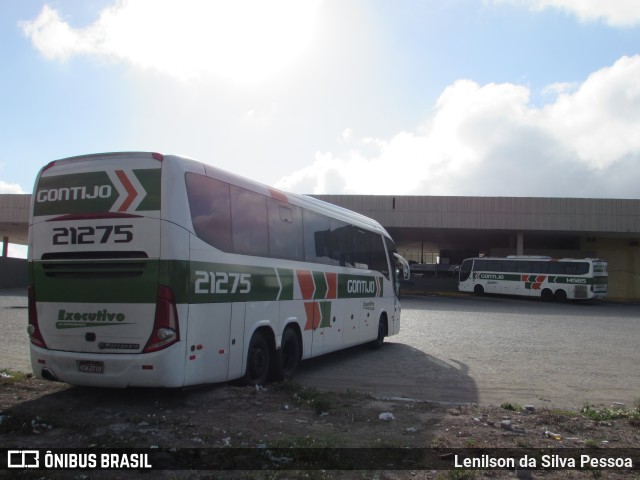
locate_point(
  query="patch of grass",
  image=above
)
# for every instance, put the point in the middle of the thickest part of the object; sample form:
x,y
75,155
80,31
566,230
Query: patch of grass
x,y
320,401
8,376
611,413
436,443
634,417
591,443
317,440
562,413
604,414
355,395
386,442
514,407
457,475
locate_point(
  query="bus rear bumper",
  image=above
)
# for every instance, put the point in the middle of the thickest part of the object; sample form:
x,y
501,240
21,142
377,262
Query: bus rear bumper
x,y
158,369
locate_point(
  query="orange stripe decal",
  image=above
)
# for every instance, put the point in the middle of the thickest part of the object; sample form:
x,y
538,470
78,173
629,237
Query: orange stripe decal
x,y
332,285
307,286
131,191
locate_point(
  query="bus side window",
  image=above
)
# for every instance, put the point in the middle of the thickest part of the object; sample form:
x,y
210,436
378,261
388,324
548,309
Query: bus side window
x,y
378,256
582,268
341,243
524,266
317,238
540,267
249,225
285,230
361,247
210,209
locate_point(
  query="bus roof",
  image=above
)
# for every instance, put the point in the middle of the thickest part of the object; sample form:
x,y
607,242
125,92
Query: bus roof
x,y
539,258
300,200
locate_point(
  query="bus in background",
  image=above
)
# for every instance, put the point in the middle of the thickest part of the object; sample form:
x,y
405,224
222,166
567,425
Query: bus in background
x,y
156,270
535,276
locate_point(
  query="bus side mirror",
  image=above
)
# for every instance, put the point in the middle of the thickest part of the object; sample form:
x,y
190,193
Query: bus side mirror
x,y
406,270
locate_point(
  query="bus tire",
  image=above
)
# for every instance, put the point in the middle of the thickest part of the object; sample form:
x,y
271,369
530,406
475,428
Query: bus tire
x,y
478,289
547,295
382,332
258,361
286,359
560,296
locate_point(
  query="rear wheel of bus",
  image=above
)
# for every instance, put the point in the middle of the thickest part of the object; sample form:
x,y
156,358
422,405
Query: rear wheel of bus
x,y
258,360
287,358
560,296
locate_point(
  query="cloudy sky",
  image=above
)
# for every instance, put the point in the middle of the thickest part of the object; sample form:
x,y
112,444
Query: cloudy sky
x,y
424,97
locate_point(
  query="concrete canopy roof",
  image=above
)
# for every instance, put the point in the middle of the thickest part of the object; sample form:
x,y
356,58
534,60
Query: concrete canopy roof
x,y
620,217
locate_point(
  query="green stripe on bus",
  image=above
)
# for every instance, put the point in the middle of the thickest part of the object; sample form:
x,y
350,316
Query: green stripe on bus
x,y
534,278
149,178
136,281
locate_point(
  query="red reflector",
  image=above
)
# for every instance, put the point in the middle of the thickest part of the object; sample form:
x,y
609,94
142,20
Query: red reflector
x,y
192,357
41,362
34,330
221,351
147,367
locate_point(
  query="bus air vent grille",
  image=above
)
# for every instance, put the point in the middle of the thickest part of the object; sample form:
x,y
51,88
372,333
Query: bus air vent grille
x,y
94,265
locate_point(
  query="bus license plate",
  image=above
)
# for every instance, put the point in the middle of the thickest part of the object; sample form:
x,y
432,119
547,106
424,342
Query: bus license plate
x,y
88,366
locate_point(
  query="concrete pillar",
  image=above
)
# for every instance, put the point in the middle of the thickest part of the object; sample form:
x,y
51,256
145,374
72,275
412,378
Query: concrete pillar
x,y
520,244
5,247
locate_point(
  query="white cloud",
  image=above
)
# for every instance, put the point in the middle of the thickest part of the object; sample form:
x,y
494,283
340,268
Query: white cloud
x,y
489,140
10,188
244,40
616,13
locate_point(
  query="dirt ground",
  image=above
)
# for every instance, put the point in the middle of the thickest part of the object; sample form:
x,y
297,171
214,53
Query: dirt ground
x,y
41,414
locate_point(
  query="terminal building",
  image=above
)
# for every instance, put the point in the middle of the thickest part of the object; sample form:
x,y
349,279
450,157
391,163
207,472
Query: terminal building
x,y
435,233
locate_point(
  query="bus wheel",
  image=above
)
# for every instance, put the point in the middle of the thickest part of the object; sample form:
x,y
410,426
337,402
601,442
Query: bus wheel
x,y
560,296
258,359
286,359
382,332
478,289
547,295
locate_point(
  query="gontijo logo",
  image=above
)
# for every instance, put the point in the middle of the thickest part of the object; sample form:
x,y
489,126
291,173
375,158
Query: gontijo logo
x,y
73,193
121,190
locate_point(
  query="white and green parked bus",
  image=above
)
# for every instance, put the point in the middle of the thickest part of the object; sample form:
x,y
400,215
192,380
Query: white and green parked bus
x,y
535,276
156,270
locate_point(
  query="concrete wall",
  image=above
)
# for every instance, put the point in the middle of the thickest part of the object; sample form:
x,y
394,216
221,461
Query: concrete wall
x,y
623,257
13,272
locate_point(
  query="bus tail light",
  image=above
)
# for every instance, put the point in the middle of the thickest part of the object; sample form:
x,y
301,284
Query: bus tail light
x,y
33,329
166,330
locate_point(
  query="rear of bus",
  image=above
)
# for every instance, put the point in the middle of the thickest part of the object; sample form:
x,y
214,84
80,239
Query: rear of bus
x,y
102,310
600,282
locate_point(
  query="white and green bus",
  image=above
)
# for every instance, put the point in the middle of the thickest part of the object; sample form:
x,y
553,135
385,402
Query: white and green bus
x,y
156,270
535,276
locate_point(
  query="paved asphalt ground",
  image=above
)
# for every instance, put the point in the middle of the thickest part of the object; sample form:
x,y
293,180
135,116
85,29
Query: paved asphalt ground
x,y
463,349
